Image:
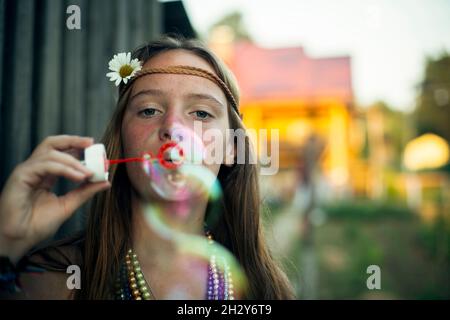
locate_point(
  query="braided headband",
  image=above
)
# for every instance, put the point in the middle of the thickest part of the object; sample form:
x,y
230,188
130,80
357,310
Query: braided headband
x,y
187,70
127,70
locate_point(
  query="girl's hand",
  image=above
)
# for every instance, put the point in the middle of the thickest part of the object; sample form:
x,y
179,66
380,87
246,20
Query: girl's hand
x,y
29,211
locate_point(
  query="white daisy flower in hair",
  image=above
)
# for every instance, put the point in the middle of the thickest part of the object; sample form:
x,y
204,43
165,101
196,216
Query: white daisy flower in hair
x,y
123,68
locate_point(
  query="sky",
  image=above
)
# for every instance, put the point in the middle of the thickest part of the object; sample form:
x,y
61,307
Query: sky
x,y
388,40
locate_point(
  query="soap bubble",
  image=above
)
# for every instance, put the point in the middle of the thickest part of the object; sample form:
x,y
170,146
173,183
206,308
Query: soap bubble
x,y
177,172
212,270
178,175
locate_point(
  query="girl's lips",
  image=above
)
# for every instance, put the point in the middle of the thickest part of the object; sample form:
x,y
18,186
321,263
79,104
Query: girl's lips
x,y
171,155
177,179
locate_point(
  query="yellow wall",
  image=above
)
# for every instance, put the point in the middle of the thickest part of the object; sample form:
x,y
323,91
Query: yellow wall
x,y
296,120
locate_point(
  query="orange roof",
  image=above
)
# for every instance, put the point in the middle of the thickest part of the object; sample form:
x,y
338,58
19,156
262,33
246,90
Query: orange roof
x,y
288,73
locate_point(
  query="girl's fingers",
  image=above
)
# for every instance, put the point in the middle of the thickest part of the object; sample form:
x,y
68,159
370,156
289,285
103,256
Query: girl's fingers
x,y
41,170
76,153
64,142
68,160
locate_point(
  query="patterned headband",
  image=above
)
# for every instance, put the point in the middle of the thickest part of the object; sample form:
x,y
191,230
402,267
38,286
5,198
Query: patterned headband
x,y
127,70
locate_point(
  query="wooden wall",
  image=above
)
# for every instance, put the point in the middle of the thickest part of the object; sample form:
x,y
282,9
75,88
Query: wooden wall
x,y
53,79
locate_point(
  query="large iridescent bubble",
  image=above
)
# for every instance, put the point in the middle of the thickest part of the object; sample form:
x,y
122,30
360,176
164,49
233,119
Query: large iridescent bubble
x,y
178,175
177,172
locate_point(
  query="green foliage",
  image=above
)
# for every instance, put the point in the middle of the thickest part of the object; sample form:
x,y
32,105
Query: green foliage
x,y
367,210
413,256
235,21
433,107
409,270
435,238
397,131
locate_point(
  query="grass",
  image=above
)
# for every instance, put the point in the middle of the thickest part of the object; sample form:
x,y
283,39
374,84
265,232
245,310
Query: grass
x,y
399,243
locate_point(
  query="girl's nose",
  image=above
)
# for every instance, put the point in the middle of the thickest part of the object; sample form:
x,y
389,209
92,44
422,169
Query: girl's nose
x,y
172,129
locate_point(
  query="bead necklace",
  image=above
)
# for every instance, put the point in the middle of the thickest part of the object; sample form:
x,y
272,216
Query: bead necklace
x,y
131,283
220,284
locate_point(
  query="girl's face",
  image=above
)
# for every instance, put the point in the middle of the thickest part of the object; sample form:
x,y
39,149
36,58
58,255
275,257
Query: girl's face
x,y
161,103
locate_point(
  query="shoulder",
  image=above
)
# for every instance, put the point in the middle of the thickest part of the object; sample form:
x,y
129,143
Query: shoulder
x,y
58,255
45,271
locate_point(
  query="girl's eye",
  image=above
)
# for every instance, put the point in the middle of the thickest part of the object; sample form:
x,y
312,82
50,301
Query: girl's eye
x,y
202,115
149,112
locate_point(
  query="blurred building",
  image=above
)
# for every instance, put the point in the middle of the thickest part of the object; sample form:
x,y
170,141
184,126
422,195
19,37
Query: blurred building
x,y
301,96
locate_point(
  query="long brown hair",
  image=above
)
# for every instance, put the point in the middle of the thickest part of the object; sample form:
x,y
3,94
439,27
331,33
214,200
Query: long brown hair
x,y
109,229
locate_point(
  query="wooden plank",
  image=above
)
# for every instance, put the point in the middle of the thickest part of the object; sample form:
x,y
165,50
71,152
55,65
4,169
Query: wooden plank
x,y
49,79
100,43
73,99
73,88
18,94
122,26
137,24
154,20
2,45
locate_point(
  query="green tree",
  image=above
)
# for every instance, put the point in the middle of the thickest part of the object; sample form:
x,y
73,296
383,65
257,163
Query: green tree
x,y
433,104
396,132
235,21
